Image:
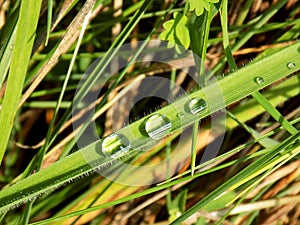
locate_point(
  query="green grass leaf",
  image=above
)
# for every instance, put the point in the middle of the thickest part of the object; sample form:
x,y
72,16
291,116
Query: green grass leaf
x,y
200,5
28,19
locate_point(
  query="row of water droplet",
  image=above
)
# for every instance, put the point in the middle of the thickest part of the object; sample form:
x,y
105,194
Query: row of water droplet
x,y
156,127
260,80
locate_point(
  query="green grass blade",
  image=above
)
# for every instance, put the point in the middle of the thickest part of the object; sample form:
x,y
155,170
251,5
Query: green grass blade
x,y
266,142
277,95
274,112
49,20
224,25
259,22
258,96
29,15
199,27
7,40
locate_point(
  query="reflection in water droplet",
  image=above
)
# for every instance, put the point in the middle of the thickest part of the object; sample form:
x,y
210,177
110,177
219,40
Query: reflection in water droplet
x,y
197,105
180,115
291,65
115,145
157,126
259,80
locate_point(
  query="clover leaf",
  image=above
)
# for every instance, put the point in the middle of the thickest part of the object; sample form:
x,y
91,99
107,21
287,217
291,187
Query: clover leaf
x,y
176,31
200,5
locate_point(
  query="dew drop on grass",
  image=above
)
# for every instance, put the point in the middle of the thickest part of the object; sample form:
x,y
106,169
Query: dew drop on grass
x,y
115,145
197,105
259,80
180,115
291,65
157,126
11,47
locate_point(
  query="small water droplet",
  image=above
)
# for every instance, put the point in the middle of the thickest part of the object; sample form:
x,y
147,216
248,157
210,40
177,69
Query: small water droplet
x,y
180,115
291,65
197,105
259,80
157,126
115,145
11,47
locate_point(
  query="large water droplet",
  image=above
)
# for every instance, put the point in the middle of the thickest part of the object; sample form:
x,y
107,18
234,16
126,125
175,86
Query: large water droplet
x,y
291,65
158,126
115,145
259,80
197,105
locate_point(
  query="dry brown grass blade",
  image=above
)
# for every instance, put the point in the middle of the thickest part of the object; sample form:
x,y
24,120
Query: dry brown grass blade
x,y
278,216
3,6
281,173
286,181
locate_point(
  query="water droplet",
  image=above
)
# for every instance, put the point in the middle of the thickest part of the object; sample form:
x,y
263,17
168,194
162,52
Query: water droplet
x,y
180,115
197,105
291,65
259,80
115,145
11,47
157,126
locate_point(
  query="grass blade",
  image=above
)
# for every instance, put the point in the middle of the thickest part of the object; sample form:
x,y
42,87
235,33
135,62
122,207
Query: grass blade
x,y
29,15
274,112
49,20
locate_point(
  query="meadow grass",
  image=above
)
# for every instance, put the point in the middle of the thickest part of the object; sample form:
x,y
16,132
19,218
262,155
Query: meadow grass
x,y
223,150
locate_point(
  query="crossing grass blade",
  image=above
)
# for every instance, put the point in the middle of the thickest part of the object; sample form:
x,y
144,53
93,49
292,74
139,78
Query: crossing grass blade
x,y
274,112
